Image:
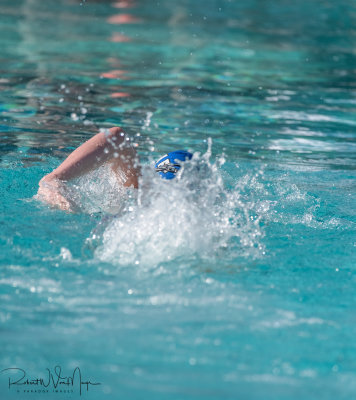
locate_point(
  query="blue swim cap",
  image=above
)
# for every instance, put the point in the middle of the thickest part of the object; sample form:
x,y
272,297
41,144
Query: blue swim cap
x,y
170,164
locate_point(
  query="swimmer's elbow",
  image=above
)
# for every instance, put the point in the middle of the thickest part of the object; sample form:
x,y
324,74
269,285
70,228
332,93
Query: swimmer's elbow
x,y
115,135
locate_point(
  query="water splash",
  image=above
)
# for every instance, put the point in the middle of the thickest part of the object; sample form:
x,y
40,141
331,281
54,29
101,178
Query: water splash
x,y
213,210
100,191
194,215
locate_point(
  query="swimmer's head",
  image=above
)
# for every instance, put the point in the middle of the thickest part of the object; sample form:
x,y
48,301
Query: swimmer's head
x,y
169,165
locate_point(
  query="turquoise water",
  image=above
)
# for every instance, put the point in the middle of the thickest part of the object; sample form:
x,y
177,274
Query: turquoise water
x,y
235,282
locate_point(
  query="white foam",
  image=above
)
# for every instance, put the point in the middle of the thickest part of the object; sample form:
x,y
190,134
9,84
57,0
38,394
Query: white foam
x,y
192,215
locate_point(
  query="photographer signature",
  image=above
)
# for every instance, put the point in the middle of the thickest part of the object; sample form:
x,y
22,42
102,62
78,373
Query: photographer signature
x,y
55,379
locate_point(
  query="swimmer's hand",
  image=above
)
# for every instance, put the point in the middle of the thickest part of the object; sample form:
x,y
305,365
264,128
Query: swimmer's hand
x,y
51,191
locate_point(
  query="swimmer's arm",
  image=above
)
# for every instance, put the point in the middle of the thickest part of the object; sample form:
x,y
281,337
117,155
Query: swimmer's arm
x,y
103,147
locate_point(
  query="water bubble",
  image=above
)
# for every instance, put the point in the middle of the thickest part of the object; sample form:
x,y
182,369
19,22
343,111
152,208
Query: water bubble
x,y
66,254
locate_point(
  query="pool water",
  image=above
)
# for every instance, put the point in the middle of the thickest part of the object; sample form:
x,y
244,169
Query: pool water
x,y
235,281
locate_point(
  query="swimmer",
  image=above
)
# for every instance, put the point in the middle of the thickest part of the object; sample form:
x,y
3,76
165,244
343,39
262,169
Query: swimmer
x,y
112,147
